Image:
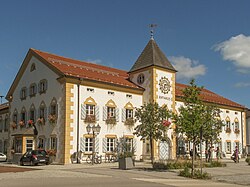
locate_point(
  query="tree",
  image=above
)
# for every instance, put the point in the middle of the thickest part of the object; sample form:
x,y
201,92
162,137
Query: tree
x,y
153,123
190,118
212,124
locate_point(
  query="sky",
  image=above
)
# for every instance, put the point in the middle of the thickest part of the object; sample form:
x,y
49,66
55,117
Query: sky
x,y
205,40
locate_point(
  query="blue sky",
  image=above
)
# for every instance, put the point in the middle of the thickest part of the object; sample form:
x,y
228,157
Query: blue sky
x,y
207,40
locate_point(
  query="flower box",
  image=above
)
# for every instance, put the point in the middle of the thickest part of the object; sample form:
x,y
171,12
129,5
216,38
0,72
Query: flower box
x,y
237,131
90,119
40,121
21,123
14,125
52,118
129,122
111,121
30,122
228,130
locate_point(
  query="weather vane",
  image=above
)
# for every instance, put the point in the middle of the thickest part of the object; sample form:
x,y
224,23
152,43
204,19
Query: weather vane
x,y
152,26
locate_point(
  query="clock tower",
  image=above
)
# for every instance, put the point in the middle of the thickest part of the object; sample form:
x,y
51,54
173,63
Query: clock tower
x,y
156,75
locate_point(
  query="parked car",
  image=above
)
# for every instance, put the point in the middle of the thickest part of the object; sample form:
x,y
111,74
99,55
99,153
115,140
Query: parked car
x,y
35,157
3,157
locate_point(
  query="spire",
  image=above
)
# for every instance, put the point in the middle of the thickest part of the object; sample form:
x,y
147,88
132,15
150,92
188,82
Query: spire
x,y
152,56
152,26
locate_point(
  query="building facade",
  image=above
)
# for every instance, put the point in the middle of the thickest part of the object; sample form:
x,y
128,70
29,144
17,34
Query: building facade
x,y
4,127
53,99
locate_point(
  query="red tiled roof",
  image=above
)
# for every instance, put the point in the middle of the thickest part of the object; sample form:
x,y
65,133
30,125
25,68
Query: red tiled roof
x,y
90,71
208,96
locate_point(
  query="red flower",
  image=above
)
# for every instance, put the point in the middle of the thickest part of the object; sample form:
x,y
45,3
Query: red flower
x,y
166,123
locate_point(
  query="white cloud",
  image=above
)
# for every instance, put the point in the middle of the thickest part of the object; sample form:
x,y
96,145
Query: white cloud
x,y
187,68
242,84
94,61
236,50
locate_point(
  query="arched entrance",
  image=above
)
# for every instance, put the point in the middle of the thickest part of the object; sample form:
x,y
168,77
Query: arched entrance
x,y
165,149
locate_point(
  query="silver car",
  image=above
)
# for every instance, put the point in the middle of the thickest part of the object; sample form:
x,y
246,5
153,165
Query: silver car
x,y
3,157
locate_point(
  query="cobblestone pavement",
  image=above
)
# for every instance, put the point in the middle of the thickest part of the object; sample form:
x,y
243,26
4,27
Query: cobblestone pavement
x,y
234,175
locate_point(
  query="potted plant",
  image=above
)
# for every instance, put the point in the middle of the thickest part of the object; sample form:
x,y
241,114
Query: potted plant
x,y
129,122
125,158
52,155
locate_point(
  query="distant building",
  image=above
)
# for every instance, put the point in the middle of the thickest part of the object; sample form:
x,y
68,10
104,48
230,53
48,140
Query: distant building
x,y
4,127
54,98
248,133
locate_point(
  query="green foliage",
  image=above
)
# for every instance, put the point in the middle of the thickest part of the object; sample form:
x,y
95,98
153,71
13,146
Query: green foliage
x,y
197,174
248,160
171,165
215,164
151,117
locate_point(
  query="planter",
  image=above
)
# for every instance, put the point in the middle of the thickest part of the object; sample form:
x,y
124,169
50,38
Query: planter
x,y
126,163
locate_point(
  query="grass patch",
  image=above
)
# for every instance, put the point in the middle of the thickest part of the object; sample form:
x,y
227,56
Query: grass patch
x,y
197,174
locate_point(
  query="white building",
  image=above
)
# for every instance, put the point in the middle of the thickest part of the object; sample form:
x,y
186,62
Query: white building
x,y
60,96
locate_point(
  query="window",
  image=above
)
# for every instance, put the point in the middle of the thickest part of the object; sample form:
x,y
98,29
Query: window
x,y
129,96
111,112
23,115
110,144
29,144
53,143
228,148
140,78
236,125
90,110
129,113
88,144
90,90
14,117
43,84
33,67
129,144
1,124
32,113
53,111
6,123
23,93
111,93
32,90
41,143
187,146
18,145
42,111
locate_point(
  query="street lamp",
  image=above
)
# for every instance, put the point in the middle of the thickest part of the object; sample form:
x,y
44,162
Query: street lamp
x,y
95,131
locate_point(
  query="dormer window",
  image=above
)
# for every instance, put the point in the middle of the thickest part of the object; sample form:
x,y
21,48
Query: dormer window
x,y
140,78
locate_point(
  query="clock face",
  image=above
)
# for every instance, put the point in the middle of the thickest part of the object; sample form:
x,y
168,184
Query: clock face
x,y
164,85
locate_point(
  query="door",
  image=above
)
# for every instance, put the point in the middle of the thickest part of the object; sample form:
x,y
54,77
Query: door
x,y
164,151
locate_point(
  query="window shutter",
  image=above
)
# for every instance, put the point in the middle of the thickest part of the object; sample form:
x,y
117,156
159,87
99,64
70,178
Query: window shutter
x,y
57,108
83,111
104,145
39,87
240,148
97,113
105,113
123,115
233,125
82,144
225,144
96,145
134,144
117,114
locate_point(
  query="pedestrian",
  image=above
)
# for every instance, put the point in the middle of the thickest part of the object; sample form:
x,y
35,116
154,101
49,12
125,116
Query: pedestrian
x,y
217,153
209,154
206,155
236,155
